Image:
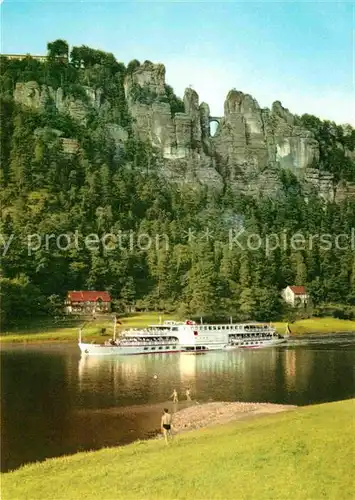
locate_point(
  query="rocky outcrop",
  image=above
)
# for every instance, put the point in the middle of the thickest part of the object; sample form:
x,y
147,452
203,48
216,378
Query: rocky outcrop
x,y
37,97
344,190
148,75
320,182
70,146
247,152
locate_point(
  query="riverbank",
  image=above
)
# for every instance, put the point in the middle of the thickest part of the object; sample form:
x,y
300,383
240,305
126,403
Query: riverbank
x,y
304,453
187,416
66,330
316,326
201,416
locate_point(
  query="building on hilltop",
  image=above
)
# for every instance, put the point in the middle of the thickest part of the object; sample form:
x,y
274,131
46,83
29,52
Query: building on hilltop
x,y
295,295
20,57
88,302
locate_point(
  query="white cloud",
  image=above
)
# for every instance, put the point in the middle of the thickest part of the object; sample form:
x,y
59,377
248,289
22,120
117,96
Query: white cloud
x,y
213,80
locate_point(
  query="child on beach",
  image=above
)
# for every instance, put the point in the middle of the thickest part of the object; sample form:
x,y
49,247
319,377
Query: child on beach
x,y
175,396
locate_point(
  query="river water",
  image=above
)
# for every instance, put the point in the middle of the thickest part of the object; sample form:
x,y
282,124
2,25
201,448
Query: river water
x,y
56,402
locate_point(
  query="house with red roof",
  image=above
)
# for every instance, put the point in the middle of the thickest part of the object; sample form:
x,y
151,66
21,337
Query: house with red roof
x,y
88,302
295,295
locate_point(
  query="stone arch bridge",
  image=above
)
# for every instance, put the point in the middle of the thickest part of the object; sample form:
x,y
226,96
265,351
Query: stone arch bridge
x,y
215,119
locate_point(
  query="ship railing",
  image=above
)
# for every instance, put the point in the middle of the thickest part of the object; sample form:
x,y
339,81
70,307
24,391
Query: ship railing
x,y
148,342
250,335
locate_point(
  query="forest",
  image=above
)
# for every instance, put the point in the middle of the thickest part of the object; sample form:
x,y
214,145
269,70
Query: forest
x,y
157,246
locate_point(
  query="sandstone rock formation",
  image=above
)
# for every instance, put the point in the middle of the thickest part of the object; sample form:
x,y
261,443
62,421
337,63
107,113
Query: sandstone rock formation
x,y
249,148
247,152
37,96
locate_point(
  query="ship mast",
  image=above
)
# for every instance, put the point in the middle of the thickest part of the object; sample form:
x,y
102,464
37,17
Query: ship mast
x,y
114,328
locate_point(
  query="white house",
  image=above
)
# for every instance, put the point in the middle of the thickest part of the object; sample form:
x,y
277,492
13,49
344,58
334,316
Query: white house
x,y
295,295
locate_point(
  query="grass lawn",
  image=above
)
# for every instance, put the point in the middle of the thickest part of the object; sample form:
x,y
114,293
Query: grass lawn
x,y
307,453
317,325
67,330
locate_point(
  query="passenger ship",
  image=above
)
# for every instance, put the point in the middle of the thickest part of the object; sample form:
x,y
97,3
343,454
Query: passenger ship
x,y
187,336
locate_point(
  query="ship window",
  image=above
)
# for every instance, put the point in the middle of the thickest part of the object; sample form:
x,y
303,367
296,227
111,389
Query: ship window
x,y
146,348
153,348
160,347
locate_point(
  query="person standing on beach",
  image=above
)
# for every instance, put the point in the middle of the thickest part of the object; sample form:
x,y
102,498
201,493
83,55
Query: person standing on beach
x,y
188,394
175,396
166,425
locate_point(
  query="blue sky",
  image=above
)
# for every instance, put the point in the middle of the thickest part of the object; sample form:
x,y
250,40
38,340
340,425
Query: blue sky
x,y
301,53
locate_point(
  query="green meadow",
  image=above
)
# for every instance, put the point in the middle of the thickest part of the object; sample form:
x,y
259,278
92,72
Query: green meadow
x,y
66,330
317,326
306,453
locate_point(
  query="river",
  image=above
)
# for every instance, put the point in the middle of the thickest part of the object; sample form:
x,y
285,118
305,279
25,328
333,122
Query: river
x,y
55,402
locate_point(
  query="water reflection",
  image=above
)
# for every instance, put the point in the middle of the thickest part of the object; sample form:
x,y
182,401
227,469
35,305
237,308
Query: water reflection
x,y
55,402
282,375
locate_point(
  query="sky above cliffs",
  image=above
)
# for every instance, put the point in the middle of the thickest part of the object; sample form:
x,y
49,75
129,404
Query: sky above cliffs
x,y
301,53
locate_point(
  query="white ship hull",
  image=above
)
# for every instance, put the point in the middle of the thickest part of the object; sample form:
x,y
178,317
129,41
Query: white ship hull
x,y
105,350
256,345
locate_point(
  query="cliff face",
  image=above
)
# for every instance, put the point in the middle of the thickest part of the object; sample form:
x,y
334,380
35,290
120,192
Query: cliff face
x,y
249,148
37,96
246,153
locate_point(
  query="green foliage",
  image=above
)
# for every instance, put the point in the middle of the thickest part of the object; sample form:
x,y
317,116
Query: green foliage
x,y
77,91
109,185
176,104
132,66
144,94
333,140
19,298
58,48
85,57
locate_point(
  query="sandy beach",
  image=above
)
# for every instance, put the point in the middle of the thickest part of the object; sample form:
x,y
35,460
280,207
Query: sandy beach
x,y
198,416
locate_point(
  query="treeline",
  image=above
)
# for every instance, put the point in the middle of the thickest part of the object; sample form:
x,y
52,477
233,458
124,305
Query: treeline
x,y
82,66
158,246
